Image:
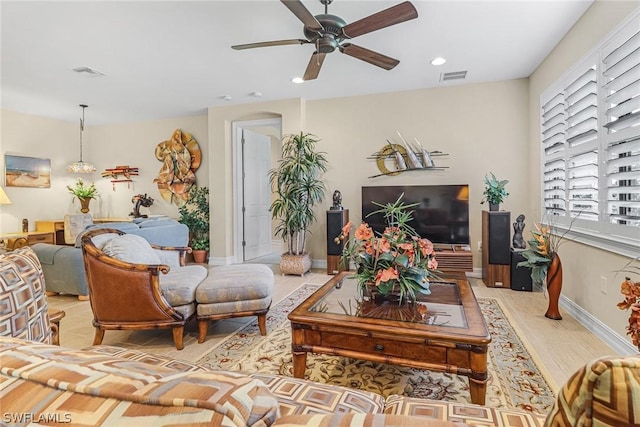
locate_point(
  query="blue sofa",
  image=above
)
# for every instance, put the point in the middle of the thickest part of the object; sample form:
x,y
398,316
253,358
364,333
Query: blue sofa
x,y
63,266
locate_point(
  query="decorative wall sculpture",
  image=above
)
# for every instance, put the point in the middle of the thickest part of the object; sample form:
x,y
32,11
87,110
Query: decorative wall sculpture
x,y
405,157
180,157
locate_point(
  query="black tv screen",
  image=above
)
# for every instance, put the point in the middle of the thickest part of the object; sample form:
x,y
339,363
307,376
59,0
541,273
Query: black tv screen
x,y
442,213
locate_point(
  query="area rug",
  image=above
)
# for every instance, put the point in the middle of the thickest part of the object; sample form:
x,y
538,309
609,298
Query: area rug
x,y
515,380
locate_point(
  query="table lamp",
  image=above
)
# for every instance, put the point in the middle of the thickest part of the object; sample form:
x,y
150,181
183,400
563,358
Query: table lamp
x,y
4,200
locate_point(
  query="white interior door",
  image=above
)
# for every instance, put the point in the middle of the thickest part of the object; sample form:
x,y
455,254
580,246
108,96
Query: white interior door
x,y
256,225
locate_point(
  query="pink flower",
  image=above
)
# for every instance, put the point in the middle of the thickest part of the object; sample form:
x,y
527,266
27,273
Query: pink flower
x,y
364,232
386,275
432,264
382,245
346,229
426,247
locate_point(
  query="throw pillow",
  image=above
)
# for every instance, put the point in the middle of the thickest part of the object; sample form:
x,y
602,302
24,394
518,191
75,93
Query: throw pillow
x,y
131,248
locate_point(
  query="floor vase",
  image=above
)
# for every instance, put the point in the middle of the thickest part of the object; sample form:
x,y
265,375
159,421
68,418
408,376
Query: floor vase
x,y
554,287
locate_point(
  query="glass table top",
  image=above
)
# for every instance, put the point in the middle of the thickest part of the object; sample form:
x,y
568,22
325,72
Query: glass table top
x,y
443,307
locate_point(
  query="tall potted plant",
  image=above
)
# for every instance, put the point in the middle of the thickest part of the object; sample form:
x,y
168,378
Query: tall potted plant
x,y
494,191
195,215
298,187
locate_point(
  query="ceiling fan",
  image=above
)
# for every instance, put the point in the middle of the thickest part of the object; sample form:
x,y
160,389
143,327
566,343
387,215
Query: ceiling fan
x,y
327,32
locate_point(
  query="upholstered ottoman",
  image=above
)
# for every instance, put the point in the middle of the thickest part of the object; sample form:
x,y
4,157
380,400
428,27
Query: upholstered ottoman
x,y
234,291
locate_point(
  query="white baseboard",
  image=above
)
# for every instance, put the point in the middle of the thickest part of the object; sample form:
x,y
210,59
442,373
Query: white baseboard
x,y
617,342
319,263
221,260
476,273
614,340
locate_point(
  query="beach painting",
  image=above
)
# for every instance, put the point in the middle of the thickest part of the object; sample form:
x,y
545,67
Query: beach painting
x,y
22,171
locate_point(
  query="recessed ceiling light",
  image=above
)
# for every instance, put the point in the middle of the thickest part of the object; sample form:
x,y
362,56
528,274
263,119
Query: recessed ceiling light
x,y
297,80
256,94
226,97
438,61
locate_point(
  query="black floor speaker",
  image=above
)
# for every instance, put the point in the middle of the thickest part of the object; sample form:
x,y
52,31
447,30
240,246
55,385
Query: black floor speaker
x,y
499,238
520,276
336,219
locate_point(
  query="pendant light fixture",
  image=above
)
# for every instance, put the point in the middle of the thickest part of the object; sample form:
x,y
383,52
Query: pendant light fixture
x,y
80,166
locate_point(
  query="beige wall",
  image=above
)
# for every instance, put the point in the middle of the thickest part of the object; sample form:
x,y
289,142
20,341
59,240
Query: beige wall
x,y
479,125
104,146
585,267
483,127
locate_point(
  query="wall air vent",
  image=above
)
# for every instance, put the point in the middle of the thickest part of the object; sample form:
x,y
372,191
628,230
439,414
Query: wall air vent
x,y
454,75
89,72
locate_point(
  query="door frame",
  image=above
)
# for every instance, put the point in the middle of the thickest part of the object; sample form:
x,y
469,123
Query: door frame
x,y
236,128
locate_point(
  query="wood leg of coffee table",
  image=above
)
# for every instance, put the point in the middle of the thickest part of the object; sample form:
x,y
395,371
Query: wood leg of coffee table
x,y
478,391
478,382
299,363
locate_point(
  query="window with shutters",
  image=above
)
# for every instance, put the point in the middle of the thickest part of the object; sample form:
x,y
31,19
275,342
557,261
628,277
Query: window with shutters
x,y
590,144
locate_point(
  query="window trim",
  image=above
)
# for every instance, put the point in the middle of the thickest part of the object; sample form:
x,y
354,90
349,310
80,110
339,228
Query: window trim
x,y
602,234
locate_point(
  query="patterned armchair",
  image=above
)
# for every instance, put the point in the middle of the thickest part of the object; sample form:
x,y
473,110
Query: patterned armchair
x,y
24,312
136,285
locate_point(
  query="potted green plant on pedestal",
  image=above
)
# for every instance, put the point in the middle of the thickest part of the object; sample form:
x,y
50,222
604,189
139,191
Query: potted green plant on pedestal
x,y
84,193
494,191
195,215
298,187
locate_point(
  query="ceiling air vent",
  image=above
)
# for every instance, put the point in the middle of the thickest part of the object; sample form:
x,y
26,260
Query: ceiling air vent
x,y
89,72
454,75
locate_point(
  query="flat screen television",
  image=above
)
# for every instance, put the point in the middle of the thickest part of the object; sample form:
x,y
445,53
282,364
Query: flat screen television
x,y
442,215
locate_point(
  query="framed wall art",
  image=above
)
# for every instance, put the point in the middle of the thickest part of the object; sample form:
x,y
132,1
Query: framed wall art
x,y
22,171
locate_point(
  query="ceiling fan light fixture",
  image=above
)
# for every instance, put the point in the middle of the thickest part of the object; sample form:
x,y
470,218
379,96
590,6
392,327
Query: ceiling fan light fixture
x,y
328,32
80,166
297,80
438,61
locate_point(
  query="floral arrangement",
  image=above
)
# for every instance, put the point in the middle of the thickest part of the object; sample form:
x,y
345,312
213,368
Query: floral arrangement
x,y
631,292
395,261
83,192
543,246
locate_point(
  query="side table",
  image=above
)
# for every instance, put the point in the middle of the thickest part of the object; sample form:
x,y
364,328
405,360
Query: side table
x,y
18,240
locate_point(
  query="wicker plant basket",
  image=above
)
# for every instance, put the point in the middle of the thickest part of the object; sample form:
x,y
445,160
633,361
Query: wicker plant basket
x,y
295,264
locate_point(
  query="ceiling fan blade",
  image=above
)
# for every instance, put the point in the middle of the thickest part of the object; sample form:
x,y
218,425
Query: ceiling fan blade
x,y
303,14
369,56
385,18
313,68
271,43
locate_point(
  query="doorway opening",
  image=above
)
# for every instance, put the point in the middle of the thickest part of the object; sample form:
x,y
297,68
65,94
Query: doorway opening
x,y
256,149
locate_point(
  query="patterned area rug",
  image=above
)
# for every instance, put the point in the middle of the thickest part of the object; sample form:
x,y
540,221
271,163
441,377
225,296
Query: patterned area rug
x,y
515,380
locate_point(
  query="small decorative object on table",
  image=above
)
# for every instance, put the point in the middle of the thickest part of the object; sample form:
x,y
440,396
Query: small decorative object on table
x,y
631,292
398,261
83,193
494,191
140,200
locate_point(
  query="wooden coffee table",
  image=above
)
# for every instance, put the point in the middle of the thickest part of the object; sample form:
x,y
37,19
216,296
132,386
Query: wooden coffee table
x,y
451,336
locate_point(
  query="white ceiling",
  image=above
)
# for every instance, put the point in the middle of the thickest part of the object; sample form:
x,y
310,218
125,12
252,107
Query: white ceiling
x,y
173,58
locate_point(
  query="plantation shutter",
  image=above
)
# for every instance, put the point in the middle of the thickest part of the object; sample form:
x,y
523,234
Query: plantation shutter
x,y
621,92
553,144
581,106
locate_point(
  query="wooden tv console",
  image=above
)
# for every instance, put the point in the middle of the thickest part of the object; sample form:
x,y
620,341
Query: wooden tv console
x,y
454,257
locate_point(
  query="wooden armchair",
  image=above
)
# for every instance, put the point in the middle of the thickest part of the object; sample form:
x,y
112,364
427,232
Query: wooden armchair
x,y
126,295
25,312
